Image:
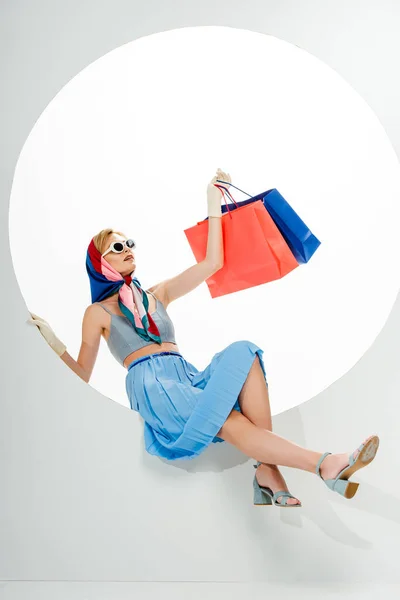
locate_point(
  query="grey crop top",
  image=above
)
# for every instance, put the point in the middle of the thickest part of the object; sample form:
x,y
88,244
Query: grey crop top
x,y
123,338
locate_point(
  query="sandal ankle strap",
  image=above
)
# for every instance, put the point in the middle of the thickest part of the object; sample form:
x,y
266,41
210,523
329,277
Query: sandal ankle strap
x,y
317,468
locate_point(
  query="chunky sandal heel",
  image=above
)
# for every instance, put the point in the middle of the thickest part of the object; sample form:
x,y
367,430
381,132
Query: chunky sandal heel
x,y
351,489
264,496
365,454
260,498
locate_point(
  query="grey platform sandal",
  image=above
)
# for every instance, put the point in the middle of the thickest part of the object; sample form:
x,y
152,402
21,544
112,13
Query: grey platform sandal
x,y
264,496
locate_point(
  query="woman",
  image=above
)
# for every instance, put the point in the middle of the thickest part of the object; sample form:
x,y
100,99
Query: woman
x,y
184,409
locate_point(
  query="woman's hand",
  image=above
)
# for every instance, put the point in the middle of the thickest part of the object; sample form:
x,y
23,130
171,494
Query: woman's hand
x,y
223,177
214,194
48,334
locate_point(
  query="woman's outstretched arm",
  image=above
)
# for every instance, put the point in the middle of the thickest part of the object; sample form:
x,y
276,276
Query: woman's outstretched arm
x,y
75,366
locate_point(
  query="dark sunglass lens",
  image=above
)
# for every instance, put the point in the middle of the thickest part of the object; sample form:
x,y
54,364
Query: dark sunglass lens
x,y
130,243
118,246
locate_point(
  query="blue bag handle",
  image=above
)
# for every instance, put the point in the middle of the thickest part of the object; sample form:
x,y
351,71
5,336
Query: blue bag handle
x,y
231,185
224,189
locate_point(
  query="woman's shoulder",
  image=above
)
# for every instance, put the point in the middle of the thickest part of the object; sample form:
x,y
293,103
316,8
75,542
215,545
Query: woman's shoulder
x,y
96,315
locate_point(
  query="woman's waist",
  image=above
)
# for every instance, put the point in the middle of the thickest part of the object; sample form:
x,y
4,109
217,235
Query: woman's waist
x,y
150,350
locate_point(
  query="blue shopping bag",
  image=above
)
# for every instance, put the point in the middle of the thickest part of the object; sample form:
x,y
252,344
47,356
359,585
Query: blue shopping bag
x,y
297,235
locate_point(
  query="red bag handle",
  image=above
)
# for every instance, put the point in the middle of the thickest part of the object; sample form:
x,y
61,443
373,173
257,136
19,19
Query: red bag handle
x,y
223,190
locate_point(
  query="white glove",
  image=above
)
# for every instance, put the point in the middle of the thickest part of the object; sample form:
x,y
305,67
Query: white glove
x,y
214,195
48,334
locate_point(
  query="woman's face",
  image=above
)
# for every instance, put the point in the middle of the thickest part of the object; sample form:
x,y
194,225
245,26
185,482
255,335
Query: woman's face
x,y
123,262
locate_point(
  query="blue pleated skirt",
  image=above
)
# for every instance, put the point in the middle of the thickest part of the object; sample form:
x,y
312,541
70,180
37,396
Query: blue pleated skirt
x,y
184,408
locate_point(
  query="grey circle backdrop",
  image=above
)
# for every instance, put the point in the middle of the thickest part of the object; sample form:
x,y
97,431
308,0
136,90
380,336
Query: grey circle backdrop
x,y
80,501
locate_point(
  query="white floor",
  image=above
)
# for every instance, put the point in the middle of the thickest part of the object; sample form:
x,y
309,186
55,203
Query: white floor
x,y
196,591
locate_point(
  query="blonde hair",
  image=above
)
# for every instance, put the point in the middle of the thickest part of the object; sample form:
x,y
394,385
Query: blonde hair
x,y
100,239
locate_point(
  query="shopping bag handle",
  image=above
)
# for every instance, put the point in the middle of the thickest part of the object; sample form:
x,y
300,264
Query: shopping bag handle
x,y
223,189
228,192
231,185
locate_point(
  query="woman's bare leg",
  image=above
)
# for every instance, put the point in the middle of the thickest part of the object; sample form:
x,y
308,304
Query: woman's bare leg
x,y
266,446
254,404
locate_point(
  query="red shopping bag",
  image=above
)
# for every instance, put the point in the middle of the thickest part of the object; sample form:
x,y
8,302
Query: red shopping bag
x,y
254,250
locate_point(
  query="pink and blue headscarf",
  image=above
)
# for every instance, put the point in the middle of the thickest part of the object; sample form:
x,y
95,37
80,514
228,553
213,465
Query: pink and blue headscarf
x,y
132,299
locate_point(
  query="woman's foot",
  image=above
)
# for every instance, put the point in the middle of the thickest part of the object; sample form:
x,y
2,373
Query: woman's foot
x,y
270,476
334,463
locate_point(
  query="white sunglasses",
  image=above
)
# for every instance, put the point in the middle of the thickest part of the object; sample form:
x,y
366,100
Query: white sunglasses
x,y
118,246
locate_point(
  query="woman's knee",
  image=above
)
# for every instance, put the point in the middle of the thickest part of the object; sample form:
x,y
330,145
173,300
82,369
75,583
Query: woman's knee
x,y
233,425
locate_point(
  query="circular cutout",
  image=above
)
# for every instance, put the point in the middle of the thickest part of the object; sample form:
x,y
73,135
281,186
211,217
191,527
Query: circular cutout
x,y
132,141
